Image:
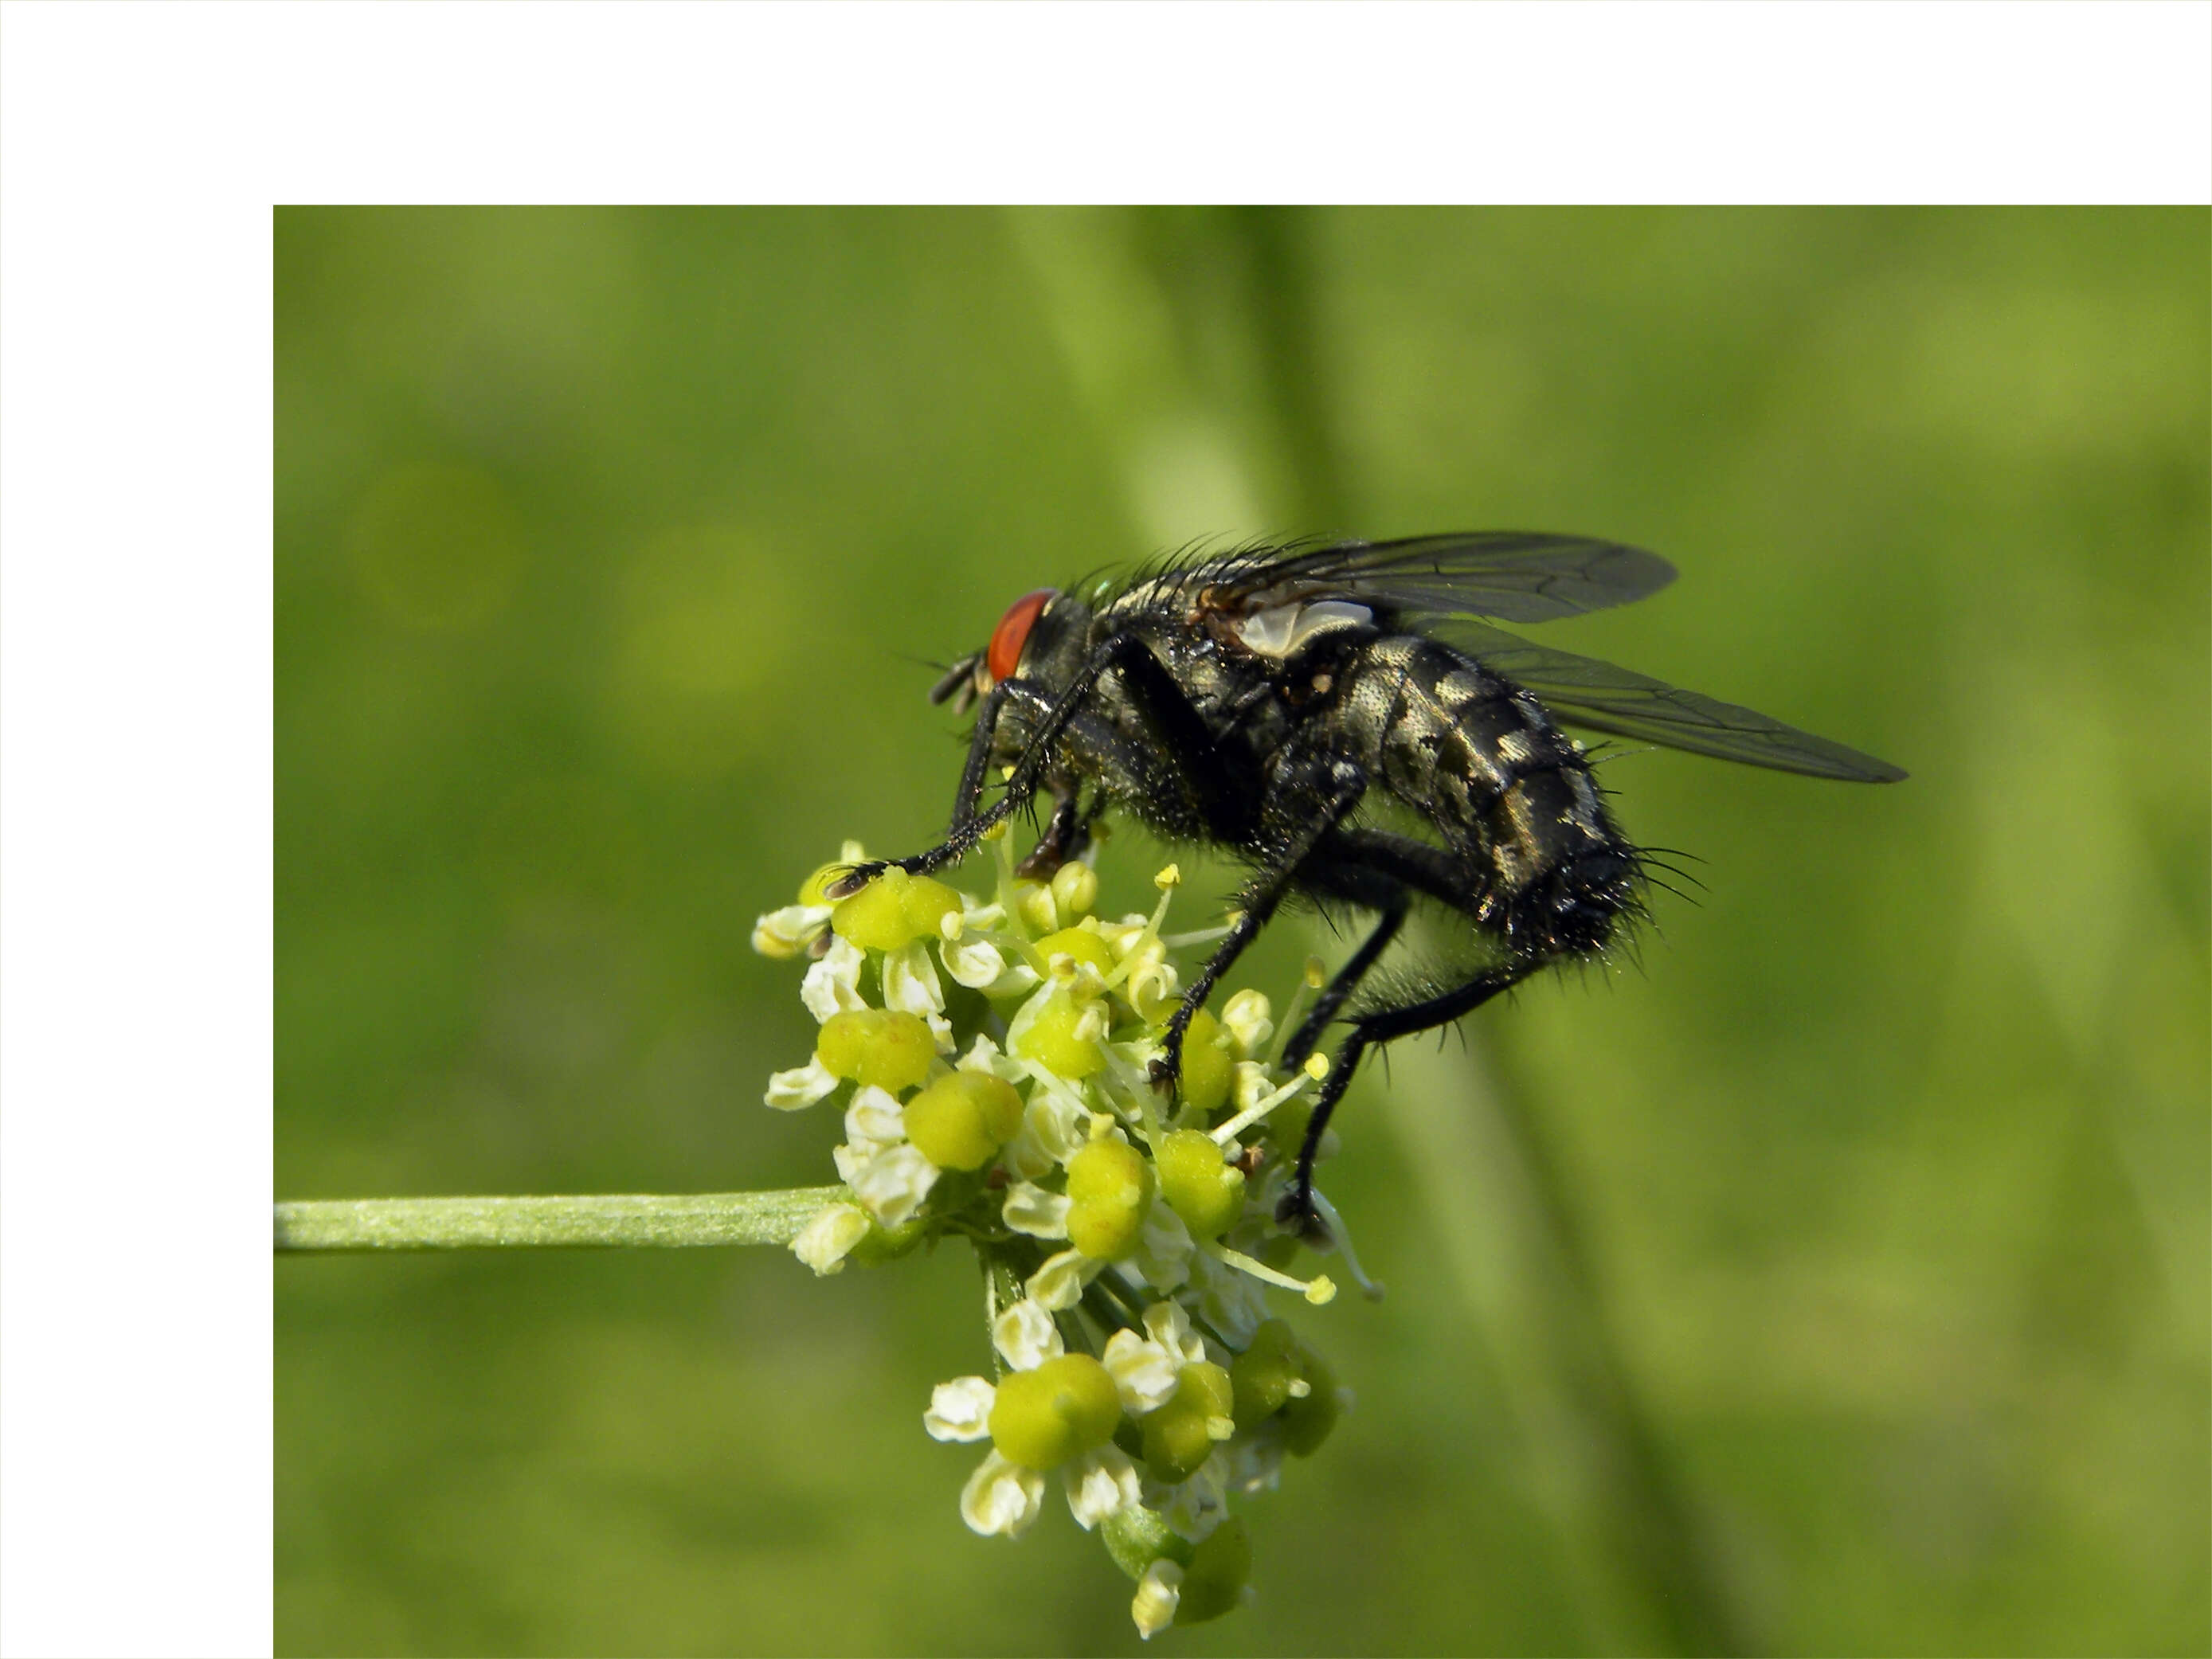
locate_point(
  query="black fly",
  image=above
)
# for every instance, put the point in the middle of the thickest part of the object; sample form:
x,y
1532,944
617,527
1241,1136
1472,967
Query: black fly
x,y
1255,700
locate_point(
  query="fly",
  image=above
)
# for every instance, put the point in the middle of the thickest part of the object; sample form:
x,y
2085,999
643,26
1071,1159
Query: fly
x,y
1257,701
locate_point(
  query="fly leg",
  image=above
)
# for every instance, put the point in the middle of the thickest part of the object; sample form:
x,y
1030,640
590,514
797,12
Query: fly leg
x,y
1297,1209
1063,837
1380,871
1338,785
1303,1040
1148,686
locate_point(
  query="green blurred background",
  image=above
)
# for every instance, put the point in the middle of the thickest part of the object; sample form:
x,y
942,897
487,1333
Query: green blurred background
x,y
1836,1283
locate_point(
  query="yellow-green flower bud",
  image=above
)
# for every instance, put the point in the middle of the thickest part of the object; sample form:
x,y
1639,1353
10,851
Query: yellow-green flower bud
x,y
1307,1421
1263,1373
1077,942
1181,1435
960,1121
1034,904
1204,1191
879,1046
896,908
1075,889
1060,1038
1065,1407
1213,1581
1206,1065
1109,1186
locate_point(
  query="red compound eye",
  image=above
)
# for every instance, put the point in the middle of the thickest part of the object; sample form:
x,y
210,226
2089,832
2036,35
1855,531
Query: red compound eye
x,y
1012,632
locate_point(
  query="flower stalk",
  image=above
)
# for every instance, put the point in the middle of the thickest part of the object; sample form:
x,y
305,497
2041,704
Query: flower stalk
x,y
597,1220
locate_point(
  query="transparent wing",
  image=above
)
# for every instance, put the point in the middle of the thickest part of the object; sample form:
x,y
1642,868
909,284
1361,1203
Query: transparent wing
x,y
1583,691
1521,576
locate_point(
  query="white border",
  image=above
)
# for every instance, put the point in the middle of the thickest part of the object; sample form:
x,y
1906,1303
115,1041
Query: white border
x,y
141,148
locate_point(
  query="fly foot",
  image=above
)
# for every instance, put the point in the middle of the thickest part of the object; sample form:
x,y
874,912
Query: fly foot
x,y
855,878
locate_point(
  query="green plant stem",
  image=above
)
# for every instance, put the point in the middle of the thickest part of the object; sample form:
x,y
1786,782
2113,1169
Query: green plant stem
x,y
669,1220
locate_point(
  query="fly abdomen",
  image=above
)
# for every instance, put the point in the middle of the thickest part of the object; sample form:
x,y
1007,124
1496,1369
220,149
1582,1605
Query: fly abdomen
x,y
1507,790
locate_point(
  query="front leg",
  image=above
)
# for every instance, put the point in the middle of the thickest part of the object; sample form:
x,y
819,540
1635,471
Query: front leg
x,y
1150,686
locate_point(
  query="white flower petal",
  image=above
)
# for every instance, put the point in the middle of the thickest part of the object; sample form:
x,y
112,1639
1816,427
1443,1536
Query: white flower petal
x,y
975,961
1059,1121
1160,1592
1059,1284
874,1118
983,1056
895,1182
976,916
1248,1017
1169,1325
960,1409
1165,1250
784,933
823,1243
1154,980
1019,979
1025,1335
1100,1484
1030,1209
1001,1499
1143,1373
852,1160
801,1086
1250,1084
831,985
1199,1504
910,983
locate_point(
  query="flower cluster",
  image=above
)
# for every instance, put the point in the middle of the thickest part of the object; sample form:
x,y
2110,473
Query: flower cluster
x,y
993,1063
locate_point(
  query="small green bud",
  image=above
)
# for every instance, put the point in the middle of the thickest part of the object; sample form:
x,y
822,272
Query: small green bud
x,y
1206,1385
1307,1422
1136,1537
1075,889
1109,1186
889,1243
881,1047
1077,942
960,1121
1207,1066
894,909
1263,1373
1034,904
1198,1185
1213,1581
1175,1442
1065,1407
1056,1039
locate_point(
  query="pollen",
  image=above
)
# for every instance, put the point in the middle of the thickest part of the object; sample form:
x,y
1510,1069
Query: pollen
x,y
1170,877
